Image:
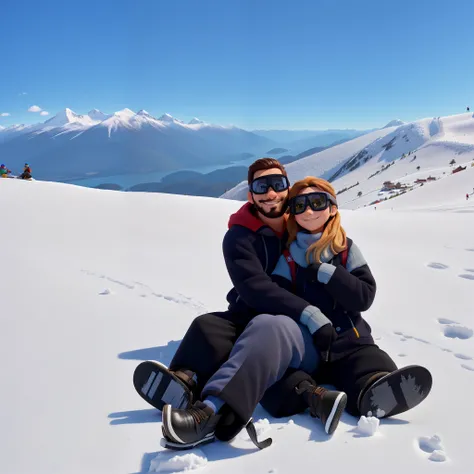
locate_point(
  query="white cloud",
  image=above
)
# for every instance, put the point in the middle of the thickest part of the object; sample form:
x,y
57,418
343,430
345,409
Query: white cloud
x,y
43,112
34,108
22,93
5,114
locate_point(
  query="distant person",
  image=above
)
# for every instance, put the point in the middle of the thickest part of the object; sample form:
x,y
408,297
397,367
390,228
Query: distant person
x,y
467,108
26,172
467,197
4,171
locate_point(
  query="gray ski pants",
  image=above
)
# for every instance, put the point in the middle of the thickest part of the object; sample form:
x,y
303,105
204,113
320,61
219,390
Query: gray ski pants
x,y
267,347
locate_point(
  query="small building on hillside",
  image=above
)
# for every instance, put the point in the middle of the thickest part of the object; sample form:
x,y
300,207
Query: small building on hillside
x,y
459,168
388,186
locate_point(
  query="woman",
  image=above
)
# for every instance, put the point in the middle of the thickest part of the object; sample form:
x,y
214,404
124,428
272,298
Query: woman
x,y
324,267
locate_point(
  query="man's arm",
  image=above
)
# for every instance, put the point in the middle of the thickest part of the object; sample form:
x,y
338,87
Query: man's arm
x,y
253,285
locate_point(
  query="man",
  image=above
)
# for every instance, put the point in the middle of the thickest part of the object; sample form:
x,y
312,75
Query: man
x,y
26,172
230,359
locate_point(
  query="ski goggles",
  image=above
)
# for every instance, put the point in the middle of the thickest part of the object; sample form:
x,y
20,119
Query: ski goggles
x,y
316,201
277,182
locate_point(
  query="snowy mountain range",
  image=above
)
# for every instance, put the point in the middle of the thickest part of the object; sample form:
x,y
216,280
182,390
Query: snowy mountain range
x,y
70,145
412,155
94,282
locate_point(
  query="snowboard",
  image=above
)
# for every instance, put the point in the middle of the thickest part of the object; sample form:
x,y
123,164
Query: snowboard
x,y
396,392
159,387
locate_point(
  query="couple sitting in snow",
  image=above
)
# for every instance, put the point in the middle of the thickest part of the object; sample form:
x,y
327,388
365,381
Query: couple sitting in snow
x,y
4,172
293,322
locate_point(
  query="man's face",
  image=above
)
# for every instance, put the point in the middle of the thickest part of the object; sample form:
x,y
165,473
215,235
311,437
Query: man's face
x,y
272,204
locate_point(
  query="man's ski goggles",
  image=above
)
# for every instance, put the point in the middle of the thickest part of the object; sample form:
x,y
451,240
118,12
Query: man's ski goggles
x,y
277,182
317,201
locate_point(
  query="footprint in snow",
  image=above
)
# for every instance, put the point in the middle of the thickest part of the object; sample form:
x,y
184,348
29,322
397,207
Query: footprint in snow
x,y
146,290
438,266
467,367
446,321
459,332
433,446
424,341
463,356
469,270
467,276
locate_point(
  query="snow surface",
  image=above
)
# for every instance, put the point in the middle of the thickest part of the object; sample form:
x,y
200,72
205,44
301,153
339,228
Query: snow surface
x,y
94,282
377,158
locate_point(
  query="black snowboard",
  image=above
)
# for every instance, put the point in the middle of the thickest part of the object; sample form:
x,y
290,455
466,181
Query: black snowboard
x,y
396,392
159,387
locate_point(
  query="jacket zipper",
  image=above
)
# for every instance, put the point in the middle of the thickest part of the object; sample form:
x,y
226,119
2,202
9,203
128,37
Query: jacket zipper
x,y
266,253
353,327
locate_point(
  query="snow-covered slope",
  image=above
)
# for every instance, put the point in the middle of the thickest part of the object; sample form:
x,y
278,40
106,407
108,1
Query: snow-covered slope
x,y
93,282
319,163
392,154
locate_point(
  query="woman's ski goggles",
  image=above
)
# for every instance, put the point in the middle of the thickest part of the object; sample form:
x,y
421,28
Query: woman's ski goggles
x,y
277,182
316,201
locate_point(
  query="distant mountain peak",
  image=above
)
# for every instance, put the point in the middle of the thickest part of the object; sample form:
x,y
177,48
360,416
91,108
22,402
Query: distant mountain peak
x,y
125,113
196,121
68,116
167,118
394,123
98,115
143,112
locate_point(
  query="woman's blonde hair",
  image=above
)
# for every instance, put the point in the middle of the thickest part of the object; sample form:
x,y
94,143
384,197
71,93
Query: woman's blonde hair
x,y
333,237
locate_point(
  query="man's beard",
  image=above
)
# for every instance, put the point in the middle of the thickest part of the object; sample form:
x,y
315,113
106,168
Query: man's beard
x,y
273,213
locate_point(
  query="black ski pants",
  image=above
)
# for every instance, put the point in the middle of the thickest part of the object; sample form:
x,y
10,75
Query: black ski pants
x,y
209,341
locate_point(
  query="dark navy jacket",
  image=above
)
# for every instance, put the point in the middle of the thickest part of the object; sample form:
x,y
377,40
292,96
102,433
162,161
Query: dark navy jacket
x,y
341,296
251,251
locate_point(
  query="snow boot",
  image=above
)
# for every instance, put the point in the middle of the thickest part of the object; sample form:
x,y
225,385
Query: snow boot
x,y
188,428
159,386
390,393
327,405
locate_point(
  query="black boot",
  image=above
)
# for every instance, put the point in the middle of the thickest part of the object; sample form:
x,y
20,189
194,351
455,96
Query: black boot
x,y
185,429
391,393
327,405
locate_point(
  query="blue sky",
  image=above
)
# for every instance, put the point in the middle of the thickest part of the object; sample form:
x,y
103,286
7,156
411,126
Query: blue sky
x,y
310,64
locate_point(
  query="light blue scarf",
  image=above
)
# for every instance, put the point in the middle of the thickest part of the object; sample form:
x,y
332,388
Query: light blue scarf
x,y
299,247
